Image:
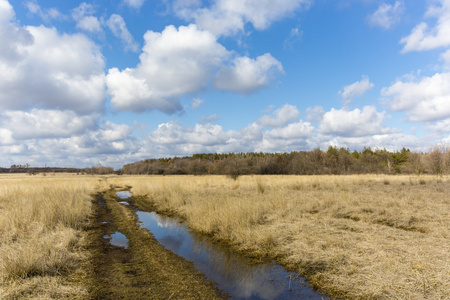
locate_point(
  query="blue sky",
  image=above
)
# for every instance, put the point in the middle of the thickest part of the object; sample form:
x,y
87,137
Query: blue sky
x,y
83,83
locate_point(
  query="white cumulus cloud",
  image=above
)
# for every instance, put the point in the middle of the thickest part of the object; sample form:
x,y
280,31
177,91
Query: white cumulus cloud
x,y
422,37
228,17
6,12
353,123
315,113
181,61
424,100
90,24
280,117
295,130
41,123
6,137
112,132
43,68
248,75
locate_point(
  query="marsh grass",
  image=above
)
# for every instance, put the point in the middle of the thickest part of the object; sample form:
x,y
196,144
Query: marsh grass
x,y
352,236
41,222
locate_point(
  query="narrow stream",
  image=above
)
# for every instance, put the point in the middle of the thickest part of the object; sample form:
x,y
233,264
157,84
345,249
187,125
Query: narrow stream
x,y
233,272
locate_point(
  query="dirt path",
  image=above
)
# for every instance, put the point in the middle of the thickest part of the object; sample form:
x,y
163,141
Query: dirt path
x,y
143,270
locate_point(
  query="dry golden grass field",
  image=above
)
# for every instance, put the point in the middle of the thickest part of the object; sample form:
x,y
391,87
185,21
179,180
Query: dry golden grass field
x,y
356,237
41,234
353,237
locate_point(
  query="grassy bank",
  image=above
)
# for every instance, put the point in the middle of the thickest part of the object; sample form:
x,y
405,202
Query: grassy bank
x,y
366,237
41,234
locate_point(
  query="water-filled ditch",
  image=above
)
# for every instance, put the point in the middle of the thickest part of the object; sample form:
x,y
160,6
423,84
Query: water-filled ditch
x,y
240,276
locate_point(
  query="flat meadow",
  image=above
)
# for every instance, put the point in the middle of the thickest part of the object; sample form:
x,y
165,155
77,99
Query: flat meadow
x,y
352,237
355,237
42,222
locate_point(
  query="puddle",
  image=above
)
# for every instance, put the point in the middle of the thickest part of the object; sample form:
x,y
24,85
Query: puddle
x,y
124,203
117,239
234,273
124,194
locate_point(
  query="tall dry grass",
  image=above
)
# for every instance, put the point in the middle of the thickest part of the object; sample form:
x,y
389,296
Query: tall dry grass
x,y
366,237
41,222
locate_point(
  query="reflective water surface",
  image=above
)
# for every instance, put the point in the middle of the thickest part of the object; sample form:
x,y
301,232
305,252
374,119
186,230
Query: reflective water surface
x,y
234,273
117,239
124,194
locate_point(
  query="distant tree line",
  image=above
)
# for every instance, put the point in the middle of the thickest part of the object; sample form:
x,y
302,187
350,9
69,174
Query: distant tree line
x,y
94,170
333,161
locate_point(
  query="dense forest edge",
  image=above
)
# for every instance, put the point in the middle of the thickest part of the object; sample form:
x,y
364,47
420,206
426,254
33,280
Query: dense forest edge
x,y
316,162
338,161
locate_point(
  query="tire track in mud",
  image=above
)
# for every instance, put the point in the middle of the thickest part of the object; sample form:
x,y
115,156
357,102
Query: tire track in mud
x,y
144,269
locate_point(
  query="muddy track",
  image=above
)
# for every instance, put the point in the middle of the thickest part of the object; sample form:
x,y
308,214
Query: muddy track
x,y
144,269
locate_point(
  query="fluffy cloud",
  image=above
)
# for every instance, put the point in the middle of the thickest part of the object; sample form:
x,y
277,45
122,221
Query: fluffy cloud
x,y
85,21
172,138
293,137
90,24
315,113
354,123
228,17
181,61
41,68
109,143
280,117
112,132
425,100
290,134
6,137
46,123
422,37
297,130
247,75
6,12
173,63
118,27
356,89
441,127
387,15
